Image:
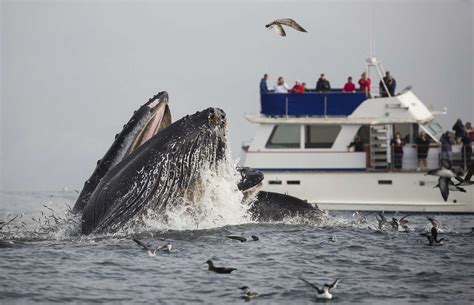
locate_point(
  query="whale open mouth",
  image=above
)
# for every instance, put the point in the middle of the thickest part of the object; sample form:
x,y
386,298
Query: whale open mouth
x,y
159,119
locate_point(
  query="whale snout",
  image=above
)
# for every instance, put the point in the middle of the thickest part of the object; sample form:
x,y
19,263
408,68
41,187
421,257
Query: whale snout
x,y
216,117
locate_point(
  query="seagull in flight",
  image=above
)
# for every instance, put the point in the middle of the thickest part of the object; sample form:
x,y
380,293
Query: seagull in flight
x,y
4,224
277,26
325,292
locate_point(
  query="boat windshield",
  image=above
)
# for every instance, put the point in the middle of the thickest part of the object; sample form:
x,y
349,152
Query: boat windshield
x,y
433,129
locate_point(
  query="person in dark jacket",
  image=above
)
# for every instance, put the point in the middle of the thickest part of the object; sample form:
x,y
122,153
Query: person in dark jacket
x,y
466,150
323,84
446,141
459,130
391,84
357,144
263,84
422,147
397,148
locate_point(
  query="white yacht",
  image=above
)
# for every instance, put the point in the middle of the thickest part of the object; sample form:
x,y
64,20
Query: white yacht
x,y
301,146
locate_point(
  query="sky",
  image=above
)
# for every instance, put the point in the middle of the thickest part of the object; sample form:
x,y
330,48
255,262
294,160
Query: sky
x,y
73,72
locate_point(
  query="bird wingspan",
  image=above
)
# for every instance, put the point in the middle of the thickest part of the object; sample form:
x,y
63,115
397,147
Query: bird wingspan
x,y
444,187
141,244
312,285
291,23
469,172
277,29
403,221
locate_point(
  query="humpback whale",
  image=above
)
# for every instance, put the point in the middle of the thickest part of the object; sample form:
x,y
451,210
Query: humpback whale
x,y
154,163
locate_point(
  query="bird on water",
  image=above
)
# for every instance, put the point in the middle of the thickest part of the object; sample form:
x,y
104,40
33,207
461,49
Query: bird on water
x,y
152,251
277,26
243,239
218,269
248,294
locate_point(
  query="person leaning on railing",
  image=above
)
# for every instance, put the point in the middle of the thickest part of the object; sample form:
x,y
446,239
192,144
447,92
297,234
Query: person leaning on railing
x,y
323,84
422,147
349,86
281,86
297,88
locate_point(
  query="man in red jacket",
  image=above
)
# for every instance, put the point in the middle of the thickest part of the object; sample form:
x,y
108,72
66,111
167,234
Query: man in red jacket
x,y
349,86
297,88
364,83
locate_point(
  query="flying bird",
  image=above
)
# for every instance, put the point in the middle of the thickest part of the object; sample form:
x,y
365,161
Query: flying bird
x,y
466,181
433,238
381,220
4,224
218,269
277,26
434,222
325,291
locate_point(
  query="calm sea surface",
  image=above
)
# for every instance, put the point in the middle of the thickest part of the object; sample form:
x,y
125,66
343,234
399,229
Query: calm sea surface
x,y
50,263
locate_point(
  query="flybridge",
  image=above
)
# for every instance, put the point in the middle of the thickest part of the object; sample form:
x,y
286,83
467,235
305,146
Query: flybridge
x,y
329,103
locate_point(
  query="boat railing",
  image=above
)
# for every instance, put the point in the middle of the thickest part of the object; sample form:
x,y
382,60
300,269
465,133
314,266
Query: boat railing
x,y
460,157
311,103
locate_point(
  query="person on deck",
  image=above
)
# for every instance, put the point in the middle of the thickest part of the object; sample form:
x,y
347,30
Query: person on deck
x,y
470,131
466,150
357,144
446,141
364,83
459,130
297,88
422,147
263,84
281,86
349,86
391,84
323,84
397,148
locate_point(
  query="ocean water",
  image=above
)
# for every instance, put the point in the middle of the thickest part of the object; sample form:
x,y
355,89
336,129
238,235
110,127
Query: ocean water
x,y
49,262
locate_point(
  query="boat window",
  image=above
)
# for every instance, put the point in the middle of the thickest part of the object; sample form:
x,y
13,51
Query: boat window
x,y
284,136
321,136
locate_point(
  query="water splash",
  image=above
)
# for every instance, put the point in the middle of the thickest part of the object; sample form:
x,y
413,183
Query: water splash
x,y
214,202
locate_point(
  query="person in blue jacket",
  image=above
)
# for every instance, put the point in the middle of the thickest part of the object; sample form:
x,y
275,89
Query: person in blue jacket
x,y
263,84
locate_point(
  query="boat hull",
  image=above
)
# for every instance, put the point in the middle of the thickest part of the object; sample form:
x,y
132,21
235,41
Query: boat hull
x,y
369,191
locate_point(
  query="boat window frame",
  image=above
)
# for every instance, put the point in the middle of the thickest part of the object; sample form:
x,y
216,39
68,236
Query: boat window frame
x,y
306,128
296,145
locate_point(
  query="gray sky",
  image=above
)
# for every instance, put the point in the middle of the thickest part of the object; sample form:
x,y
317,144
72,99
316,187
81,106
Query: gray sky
x,y
74,71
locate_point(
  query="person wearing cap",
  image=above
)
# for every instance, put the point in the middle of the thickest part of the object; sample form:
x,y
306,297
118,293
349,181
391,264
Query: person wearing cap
x,y
391,84
297,88
349,86
323,84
